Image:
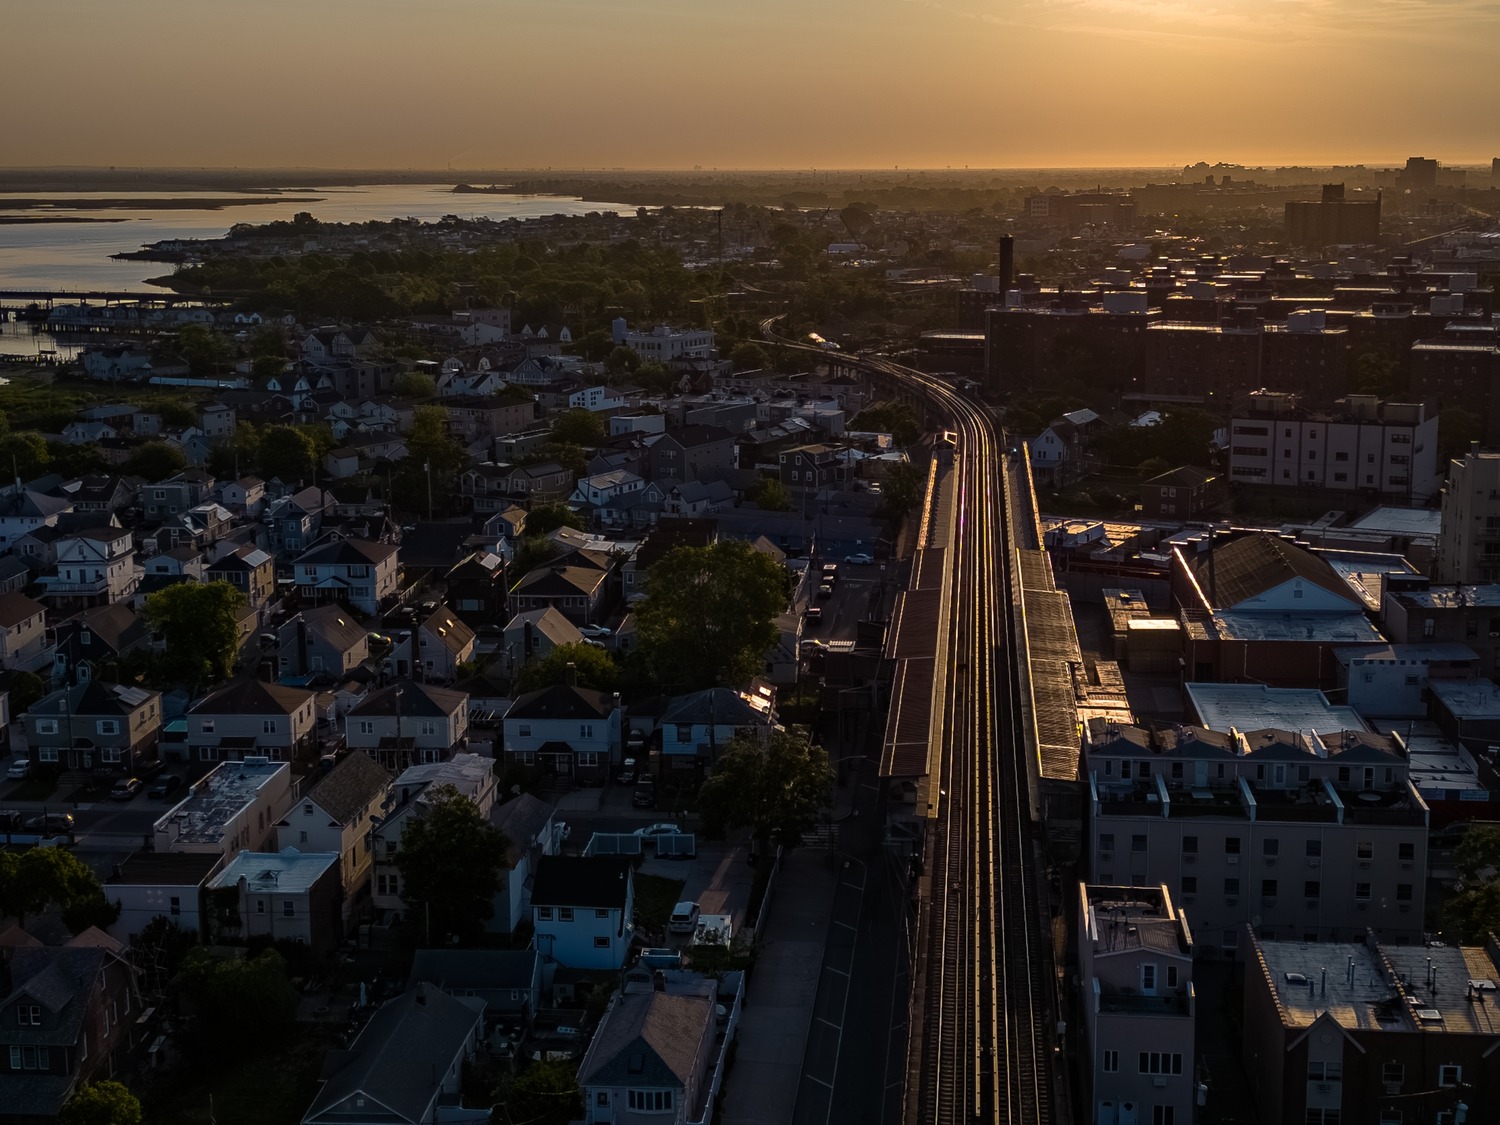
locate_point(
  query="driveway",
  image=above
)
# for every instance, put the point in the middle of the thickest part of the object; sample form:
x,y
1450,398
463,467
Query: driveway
x,y
718,879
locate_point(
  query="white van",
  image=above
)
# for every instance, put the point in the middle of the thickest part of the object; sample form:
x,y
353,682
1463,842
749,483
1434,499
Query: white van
x,y
684,918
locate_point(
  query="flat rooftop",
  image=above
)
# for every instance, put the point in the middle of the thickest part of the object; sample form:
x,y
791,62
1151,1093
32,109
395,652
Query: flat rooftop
x,y
461,770
1122,919
217,799
1451,597
1467,699
1423,523
1443,1005
1436,765
285,872
1362,571
1257,707
1438,652
1320,628
1343,978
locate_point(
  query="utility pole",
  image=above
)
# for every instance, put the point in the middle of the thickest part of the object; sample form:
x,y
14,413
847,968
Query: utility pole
x,y
427,468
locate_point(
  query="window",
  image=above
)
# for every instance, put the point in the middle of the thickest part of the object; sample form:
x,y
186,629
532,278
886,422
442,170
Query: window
x,y
1160,1062
289,909
29,1015
1163,1115
1190,884
1111,1062
46,726
1312,888
649,1101
601,1100
1403,892
1231,845
544,913
524,730
1361,892
600,913
1268,888
585,730
1107,842
206,726
268,726
1171,976
301,837
1364,849
1148,977
1393,1074
1231,888
1406,851
601,943
1390,1117
1450,1075
109,726
564,913
30,1058
174,905
1189,845
260,906
1138,843
1314,849
366,726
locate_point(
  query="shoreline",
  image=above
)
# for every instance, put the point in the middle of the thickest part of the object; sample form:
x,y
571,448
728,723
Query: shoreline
x,y
125,203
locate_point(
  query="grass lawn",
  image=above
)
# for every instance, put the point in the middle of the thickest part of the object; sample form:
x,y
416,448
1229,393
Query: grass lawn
x,y
655,895
273,1088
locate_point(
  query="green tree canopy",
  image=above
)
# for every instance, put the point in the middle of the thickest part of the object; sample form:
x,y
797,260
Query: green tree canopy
x,y
288,453
778,789
1475,910
24,453
433,458
199,623
25,689
513,394
709,614
549,517
415,384
545,1093
32,880
748,356
156,461
238,1001
532,553
772,495
267,366
203,349
102,1103
594,667
902,487
894,418
450,860
622,360
578,427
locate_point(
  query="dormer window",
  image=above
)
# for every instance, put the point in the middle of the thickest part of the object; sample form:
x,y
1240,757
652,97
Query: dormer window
x,y
29,1015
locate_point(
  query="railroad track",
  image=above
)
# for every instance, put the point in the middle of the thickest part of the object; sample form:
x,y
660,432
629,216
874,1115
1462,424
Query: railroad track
x,y
986,1039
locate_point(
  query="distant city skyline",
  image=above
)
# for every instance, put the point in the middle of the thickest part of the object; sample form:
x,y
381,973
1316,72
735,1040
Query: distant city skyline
x,y
673,84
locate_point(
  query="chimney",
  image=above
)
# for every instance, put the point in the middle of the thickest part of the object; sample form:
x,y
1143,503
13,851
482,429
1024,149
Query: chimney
x,y
1007,263
658,980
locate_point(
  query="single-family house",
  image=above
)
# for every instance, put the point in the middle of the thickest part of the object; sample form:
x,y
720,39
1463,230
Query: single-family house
x,y
246,495
174,496
566,729
23,510
535,633
476,588
323,640
95,638
249,570
577,592
583,910
252,719
353,572
406,1060
444,641
696,727
94,723
509,981
337,815
469,775
408,723
149,885
23,632
528,826
690,453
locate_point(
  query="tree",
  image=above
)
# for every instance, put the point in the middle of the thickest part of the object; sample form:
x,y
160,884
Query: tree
x,y
202,349
622,360
199,623
450,861
415,384
156,461
748,356
238,1001
288,453
1373,372
595,347
25,689
593,667
772,495
24,453
894,418
532,553
76,460
102,1103
1475,910
1458,429
777,789
549,517
578,427
545,1093
264,367
31,881
902,487
433,460
709,613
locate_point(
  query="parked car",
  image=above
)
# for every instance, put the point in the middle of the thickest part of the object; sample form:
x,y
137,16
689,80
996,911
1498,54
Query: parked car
x,y
165,786
684,919
825,591
860,560
50,822
627,772
813,616
595,631
10,820
20,768
125,788
660,828
830,572
644,796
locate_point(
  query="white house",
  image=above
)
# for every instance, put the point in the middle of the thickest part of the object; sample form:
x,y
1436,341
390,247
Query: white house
x,y
443,643
252,718
696,727
529,827
566,729
95,567
337,815
151,885
406,724
23,510
355,572
23,631
602,488
583,910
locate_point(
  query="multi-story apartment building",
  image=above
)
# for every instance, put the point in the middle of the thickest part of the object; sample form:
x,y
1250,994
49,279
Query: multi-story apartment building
x,y
1310,837
475,417
1371,447
1031,346
1363,1032
1135,966
663,343
1468,547
233,808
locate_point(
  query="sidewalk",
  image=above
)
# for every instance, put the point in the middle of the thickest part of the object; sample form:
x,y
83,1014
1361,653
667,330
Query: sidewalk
x,y
761,1088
